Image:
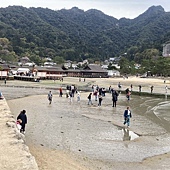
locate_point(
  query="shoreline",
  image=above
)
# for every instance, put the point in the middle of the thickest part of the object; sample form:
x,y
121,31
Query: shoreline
x,y
45,157
159,85
43,152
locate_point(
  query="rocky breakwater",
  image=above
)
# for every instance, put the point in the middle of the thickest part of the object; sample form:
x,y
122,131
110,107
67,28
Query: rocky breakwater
x,y
14,153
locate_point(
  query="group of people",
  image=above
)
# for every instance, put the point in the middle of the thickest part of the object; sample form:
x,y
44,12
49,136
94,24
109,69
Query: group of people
x,y
22,118
128,93
97,92
70,93
127,113
71,90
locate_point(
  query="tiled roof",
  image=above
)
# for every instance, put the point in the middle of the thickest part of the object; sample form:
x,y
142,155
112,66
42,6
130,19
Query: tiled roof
x,y
5,66
48,68
94,68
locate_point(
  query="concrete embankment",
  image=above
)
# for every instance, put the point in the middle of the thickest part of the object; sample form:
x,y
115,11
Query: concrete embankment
x,y
148,94
14,153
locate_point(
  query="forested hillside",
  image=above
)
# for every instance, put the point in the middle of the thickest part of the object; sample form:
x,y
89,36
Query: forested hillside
x,y
76,34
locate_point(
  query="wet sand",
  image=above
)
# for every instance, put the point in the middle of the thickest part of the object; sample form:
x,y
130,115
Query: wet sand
x,y
78,136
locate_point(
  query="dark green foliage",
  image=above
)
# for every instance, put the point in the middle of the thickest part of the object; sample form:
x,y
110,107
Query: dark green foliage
x,y
77,35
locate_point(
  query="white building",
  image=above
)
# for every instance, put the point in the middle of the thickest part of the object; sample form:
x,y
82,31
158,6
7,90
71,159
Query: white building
x,y
166,50
113,73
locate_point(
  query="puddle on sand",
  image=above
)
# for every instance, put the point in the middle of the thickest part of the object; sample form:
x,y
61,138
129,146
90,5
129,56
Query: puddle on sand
x,y
128,135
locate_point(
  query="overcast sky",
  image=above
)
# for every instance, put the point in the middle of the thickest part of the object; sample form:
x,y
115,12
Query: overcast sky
x,y
115,8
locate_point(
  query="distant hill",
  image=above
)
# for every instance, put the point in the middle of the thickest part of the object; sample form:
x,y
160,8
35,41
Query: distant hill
x,y
76,34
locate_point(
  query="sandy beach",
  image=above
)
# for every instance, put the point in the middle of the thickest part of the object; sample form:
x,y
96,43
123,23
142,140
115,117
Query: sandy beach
x,y
76,136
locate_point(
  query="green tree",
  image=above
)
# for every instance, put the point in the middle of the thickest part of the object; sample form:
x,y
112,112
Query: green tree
x,y
59,60
111,67
124,65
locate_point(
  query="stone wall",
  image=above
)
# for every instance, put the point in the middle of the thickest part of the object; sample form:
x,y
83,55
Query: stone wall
x,y
14,153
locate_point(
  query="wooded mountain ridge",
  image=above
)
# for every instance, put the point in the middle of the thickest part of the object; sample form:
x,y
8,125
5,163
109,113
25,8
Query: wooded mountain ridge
x,y
76,34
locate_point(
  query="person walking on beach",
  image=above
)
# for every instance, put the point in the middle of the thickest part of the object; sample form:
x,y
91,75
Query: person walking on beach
x,y
131,87
5,81
166,89
22,116
95,94
50,96
114,97
73,90
100,100
78,96
140,88
110,88
70,96
128,93
127,116
61,92
151,89
89,98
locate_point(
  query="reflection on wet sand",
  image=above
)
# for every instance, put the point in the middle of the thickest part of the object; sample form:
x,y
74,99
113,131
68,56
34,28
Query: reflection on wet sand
x,y
128,135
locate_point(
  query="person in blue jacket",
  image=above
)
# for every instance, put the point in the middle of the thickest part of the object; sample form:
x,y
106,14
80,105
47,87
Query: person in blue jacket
x,y
127,116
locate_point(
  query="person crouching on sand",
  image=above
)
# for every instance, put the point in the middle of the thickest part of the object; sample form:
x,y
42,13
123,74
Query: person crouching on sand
x,y
89,97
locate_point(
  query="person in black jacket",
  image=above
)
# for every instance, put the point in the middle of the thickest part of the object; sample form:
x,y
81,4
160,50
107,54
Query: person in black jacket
x,y
90,100
114,97
50,96
23,117
100,100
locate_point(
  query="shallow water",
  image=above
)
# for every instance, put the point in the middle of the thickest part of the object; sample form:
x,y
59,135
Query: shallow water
x,y
129,135
96,132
